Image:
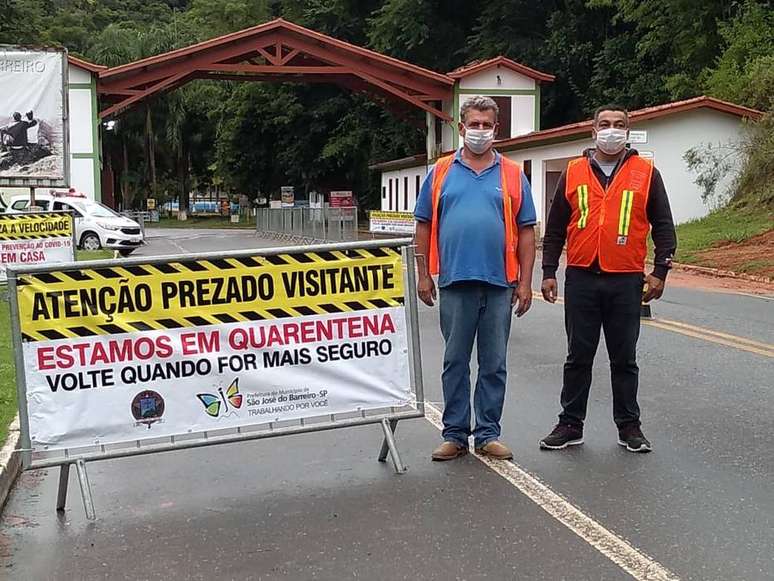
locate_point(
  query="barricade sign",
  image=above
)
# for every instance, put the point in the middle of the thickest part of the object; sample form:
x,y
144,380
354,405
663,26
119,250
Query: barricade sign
x,y
390,222
148,355
35,238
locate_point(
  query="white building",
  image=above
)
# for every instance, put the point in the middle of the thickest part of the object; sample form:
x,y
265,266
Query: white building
x,y
664,133
85,165
516,90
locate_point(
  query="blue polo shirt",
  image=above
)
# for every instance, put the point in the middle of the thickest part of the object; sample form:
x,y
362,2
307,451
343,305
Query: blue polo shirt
x,y
471,233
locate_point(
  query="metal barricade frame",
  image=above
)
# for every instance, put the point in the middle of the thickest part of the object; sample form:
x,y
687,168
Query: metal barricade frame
x,y
387,418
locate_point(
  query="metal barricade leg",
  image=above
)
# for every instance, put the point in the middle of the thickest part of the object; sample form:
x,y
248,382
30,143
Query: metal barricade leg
x,y
388,426
64,477
385,449
83,480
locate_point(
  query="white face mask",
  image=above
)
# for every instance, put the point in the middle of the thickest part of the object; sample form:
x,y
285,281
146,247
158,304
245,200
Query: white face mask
x,y
611,140
479,140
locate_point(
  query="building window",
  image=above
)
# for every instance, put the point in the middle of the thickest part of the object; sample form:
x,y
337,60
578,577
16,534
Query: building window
x,y
384,192
389,181
417,189
405,194
527,168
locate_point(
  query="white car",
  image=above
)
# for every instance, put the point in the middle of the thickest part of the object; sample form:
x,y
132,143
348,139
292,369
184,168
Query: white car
x,y
96,225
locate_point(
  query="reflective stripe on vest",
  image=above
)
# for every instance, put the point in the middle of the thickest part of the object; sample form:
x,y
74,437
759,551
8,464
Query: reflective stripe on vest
x,y
608,225
510,181
625,216
583,205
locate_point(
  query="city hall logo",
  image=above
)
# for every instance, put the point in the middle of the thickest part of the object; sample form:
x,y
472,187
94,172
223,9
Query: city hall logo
x,y
147,408
222,404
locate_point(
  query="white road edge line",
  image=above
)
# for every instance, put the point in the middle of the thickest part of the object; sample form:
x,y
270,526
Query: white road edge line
x,y
619,551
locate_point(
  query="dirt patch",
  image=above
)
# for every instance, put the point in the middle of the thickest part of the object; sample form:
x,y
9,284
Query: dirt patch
x,y
753,256
681,278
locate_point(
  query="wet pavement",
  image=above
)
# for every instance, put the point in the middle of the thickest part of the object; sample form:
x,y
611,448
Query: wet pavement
x,y
319,506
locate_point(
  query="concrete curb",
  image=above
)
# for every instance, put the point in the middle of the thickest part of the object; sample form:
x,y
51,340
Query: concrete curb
x,y
716,272
10,461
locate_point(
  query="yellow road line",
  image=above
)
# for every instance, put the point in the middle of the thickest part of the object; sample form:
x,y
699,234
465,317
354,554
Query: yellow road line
x,y
735,338
710,336
741,343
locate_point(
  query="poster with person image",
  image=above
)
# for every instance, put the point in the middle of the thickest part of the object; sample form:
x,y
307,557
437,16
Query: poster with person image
x,y
33,137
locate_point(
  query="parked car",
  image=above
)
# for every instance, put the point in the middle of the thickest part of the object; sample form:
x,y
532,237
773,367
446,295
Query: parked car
x,y
96,225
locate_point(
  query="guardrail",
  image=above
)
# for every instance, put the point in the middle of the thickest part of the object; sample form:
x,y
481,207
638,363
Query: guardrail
x,y
307,225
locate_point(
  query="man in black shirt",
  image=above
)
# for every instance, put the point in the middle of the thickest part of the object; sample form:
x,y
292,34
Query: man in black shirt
x,y
605,203
15,134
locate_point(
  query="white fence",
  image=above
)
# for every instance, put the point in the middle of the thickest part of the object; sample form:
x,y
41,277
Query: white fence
x,y
308,225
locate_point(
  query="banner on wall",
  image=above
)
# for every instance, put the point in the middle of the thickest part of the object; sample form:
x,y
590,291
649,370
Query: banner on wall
x,y
33,131
40,238
119,354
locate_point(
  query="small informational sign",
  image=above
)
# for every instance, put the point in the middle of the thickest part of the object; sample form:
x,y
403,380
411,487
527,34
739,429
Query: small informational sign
x,y
288,196
25,239
647,154
151,203
638,137
342,199
391,222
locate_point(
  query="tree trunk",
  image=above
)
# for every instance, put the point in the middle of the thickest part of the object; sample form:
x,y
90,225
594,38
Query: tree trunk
x,y
125,198
183,168
150,149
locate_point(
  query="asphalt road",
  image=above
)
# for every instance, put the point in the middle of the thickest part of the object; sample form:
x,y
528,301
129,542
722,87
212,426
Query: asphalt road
x,y
318,506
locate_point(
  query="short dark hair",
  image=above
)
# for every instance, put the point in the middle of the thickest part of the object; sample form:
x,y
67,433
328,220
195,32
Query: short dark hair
x,y
17,116
611,107
479,103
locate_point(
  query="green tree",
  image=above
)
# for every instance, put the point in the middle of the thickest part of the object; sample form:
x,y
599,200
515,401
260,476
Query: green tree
x,y
744,72
119,44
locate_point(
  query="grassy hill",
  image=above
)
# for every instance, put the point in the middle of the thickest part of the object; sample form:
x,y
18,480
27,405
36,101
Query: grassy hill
x,y
739,238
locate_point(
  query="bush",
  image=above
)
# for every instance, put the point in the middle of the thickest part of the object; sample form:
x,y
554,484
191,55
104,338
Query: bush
x,y
749,162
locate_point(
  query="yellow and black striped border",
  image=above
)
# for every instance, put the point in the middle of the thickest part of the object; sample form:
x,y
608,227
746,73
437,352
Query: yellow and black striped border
x,y
52,286
12,226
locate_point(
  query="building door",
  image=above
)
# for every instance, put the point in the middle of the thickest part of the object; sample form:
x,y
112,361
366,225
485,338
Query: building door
x,y
552,178
504,120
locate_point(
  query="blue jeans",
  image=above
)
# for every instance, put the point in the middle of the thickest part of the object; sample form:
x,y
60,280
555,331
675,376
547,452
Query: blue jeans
x,y
470,309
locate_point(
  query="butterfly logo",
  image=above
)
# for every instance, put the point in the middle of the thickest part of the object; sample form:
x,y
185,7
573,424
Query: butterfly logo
x,y
213,404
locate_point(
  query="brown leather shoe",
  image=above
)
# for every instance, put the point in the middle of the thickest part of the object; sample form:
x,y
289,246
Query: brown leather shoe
x,y
449,451
496,450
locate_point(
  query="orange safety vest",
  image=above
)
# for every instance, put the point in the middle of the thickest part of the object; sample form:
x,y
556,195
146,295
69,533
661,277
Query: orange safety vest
x,y
510,179
611,224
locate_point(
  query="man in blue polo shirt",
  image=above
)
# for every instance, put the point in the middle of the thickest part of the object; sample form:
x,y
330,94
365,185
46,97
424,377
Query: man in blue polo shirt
x,y
476,295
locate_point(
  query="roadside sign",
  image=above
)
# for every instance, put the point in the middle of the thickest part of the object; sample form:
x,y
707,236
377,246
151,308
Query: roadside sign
x,y
34,148
343,199
391,222
35,238
287,195
119,358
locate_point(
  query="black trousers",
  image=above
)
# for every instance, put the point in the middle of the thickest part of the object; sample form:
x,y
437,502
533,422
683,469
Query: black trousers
x,y
594,300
